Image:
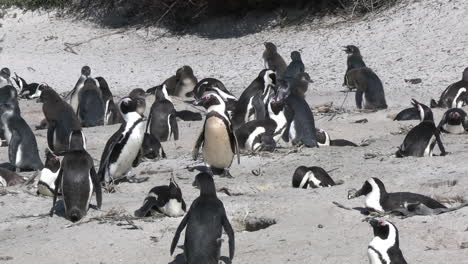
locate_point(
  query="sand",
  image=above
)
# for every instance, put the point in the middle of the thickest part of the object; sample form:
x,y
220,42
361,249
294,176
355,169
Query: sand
x,y
415,39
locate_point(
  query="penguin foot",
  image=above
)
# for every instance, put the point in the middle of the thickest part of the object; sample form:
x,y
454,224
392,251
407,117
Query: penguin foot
x,y
226,174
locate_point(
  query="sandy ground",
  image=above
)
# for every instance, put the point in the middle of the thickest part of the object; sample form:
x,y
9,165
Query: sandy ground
x,y
415,39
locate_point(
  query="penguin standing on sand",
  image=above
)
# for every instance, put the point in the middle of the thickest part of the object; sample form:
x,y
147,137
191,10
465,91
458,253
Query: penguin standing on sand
x,y
205,222
77,179
186,81
385,246
208,85
311,177
421,139
162,121
22,145
49,174
74,94
123,146
454,96
295,67
272,59
112,114
90,105
353,61
454,121
217,137
5,77
369,85
8,95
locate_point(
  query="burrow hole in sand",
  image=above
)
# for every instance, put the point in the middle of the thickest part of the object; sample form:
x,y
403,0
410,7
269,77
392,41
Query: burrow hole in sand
x,y
253,224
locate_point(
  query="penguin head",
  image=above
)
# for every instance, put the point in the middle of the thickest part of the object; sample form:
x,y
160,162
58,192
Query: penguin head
x,y
352,50
211,85
270,46
77,140
5,73
301,178
7,109
48,95
211,99
20,82
268,77
385,230
161,94
296,56
204,181
52,161
75,215
425,113
282,92
369,186
128,106
184,71
139,96
322,137
174,189
465,75
86,71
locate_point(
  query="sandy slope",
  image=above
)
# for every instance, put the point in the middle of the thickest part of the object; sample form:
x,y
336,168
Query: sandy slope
x,y
421,39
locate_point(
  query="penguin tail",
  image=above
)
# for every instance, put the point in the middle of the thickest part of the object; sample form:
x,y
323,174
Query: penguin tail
x,y
75,214
339,182
434,104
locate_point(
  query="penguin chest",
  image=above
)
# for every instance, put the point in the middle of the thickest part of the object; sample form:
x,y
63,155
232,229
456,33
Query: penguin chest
x,y
7,132
281,123
217,151
454,129
374,256
46,184
430,147
373,201
172,208
292,131
378,250
19,155
128,152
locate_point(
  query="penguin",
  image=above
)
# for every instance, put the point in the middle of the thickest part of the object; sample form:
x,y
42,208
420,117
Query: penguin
x,y
123,146
455,95
323,139
421,139
384,248
139,96
272,59
165,199
378,200
313,177
9,178
77,179
112,114
454,121
8,95
27,90
368,85
252,102
295,67
73,97
151,149
162,121
354,60
61,120
90,105
22,145
411,113
5,77
186,81
214,85
217,137
205,222
49,174
276,113
257,135
299,84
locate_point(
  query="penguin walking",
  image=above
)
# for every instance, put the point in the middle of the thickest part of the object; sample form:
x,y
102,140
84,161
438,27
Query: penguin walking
x,y
455,95
272,59
73,97
205,222
311,177
354,60
380,201
77,179
217,137
421,139
112,114
61,120
123,146
295,67
90,105
49,174
454,121
369,85
165,199
22,145
384,248
162,121
323,139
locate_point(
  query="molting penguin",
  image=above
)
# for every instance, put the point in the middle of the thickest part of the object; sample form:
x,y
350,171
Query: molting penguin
x,y
74,94
295,67
205,222
27,90
165,199
77,179
421,139
276,113
8,95
257,135
208,85
385,246
22,145
353,61
454,121
49,174
272,60
368,85
9,178
218,138
162,121
454,96
186,81
123,146
323,139
378,200
313,177
61,120
112,114
90,105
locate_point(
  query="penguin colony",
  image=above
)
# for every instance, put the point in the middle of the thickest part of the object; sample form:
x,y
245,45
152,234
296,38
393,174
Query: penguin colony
x,y
271,111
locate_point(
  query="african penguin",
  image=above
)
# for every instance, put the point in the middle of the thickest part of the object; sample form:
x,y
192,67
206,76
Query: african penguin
x,y
5,77
28,90
162,121
8,95
454,121
139,95
378,200
455,95
205,222
214,85
384,248
257,135
186,81
49,174
73,98
10,178
295,67
151,149
77,179
369,85
323,139
165,199
90,105
353,61
299,84
217,137
272,59
276,113
311,177
112,114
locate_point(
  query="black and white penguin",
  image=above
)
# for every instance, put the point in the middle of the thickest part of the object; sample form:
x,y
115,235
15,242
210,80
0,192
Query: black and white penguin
x,y
27,90
454,96
165,199
272,59
311,177
77,179
295,67
299,84
49,174
454,121
205,222
276,113
8,95
217,137
369,85
257,135
73,97
22,145
151,149
9,178
323,139
162,121
5,77
61,120
139,95
384,248
123,146
378,200
353,61
208,85
90,105
252,102
421,139
112,114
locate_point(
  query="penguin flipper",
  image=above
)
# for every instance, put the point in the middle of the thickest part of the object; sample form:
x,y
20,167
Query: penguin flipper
x,y
107,153
13,146
442,122
407,114
97,186
259,107
174,127
439,142
230,232
198,143
181,227
57,183
50,135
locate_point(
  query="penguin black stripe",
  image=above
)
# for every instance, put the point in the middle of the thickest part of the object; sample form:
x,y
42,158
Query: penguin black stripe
x,y
122,142
378,254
